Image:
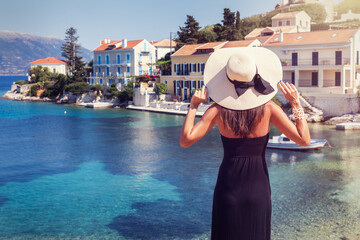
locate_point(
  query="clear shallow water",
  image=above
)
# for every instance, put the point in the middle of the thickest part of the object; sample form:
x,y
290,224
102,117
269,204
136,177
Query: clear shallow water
x,y
118,174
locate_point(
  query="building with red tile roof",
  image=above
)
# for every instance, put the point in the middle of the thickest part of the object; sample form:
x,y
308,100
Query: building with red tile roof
x,y
115,60
53,64
320,62
288,22
188,65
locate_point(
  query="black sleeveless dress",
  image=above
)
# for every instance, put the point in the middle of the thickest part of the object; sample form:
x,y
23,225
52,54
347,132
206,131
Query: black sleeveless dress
x,y
242,196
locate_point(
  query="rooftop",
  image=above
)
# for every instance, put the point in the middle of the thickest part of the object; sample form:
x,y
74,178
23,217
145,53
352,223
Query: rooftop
x,y
317,37
116,44
49,60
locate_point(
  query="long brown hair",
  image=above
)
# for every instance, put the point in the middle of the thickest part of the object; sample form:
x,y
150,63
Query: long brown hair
x,y
242,122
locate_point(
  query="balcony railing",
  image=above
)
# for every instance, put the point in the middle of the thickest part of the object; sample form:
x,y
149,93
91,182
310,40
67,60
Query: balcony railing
x,y
320,62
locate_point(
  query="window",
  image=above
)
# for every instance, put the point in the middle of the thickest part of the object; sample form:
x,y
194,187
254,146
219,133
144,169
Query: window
x,y
140,56
193,67
185,69
201,68
54,70
288,23
128,58
280,23
119,70
110,80
338,56
118,58
200,83
150,71
294,59
140,70
101,81
128,69
92,81
99,59
99,70
107,59
108,71
315,58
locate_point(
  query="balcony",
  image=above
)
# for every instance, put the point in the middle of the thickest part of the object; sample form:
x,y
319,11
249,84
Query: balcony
x,y
100,64
320,62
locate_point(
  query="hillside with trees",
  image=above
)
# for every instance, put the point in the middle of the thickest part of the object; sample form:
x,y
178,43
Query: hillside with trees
x,y
232,27
346,5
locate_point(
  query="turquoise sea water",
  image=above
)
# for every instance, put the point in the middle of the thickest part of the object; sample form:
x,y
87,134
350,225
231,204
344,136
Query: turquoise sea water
x,y
119,174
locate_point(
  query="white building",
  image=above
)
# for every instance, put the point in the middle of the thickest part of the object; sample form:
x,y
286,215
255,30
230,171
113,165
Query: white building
x,y
288,22
53,64
114,60
163,47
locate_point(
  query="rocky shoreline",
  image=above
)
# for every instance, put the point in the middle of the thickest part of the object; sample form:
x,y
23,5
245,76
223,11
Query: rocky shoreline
x,y
94,101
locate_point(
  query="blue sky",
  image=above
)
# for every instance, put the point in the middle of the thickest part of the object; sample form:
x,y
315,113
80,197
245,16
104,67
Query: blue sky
x,y
131,19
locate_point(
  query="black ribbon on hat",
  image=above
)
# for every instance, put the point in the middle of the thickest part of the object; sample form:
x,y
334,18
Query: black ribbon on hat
x,y
260,85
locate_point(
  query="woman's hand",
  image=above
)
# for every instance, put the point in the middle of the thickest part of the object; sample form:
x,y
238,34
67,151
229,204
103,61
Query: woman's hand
x,y
198,97
290,92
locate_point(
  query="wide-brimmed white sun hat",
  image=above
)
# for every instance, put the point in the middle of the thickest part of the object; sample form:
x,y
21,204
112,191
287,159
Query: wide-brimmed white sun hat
x,y
242,78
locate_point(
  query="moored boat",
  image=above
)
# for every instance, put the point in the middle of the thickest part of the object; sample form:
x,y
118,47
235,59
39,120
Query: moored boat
x,y
282,142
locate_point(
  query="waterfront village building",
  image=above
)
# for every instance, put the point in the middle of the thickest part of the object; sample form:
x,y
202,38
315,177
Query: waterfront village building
x,y
320,62
289,22
115,60
286,6
53,64
163,47
188,65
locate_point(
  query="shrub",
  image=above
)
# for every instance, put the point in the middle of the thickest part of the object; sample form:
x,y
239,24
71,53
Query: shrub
x,y
21,82
161,88
33,90
97,88
77,88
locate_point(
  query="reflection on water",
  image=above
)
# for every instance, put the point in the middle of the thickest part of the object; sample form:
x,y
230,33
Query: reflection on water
x,y
55,166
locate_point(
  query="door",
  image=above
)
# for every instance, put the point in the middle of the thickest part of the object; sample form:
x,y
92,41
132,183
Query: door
x,y
314,78
338,79
293,78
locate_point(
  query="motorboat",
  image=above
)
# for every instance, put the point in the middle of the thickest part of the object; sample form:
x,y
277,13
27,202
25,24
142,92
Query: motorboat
x,y
282,142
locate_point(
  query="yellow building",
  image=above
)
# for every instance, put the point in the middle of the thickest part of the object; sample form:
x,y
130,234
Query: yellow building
x,y
188,64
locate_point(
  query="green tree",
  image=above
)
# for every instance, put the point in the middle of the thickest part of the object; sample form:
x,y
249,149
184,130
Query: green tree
x,y
316,11
237,21
346,5
77,88
188,34
97,88
161,88
227,30
207,34
70,50
41,74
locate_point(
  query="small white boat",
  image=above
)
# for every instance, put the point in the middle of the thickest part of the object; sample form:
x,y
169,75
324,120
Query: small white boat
x,y
282,142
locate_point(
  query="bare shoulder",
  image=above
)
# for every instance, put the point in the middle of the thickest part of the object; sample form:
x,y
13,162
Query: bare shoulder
x,y
272,107
212,112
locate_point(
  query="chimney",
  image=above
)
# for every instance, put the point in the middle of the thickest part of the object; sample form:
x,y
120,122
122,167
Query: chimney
x,y
124,43
281,36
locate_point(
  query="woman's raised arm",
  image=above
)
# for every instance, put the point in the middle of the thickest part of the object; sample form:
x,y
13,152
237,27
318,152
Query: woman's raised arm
x,y
190,133
299,133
